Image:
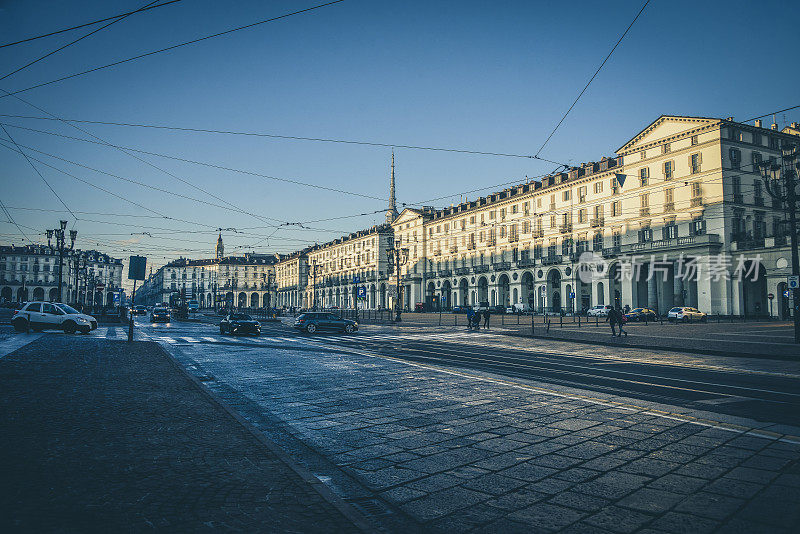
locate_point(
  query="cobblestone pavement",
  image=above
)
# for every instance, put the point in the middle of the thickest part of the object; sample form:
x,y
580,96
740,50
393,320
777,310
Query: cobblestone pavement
x,y
105,436
463,451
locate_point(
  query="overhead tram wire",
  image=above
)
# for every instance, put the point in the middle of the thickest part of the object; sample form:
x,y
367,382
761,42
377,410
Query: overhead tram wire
x,y
292,137
204,164
59,49
28,159
593,77
12,221
121,15
173,47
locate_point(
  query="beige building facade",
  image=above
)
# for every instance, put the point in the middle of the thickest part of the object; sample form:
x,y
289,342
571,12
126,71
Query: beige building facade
x,y
673,219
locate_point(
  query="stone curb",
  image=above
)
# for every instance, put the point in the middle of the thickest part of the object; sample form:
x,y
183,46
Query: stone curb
x,y
347,510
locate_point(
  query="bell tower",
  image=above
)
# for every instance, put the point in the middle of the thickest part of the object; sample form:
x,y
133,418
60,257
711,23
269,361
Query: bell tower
x,y
220,250
391,213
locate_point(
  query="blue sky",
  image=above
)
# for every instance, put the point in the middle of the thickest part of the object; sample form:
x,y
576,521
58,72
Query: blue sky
x,y
489,76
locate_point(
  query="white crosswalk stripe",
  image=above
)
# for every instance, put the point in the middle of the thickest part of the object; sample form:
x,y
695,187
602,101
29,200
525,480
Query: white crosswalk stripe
x,y
189,339
211,339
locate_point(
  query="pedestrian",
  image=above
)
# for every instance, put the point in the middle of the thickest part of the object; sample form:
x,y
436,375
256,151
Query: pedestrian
x,y
486,316
470,315
612,318
622,320
626,309
476,320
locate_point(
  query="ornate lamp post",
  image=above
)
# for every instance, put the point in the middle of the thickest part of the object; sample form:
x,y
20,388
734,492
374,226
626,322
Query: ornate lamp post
x,y
397,258
314,267
60,235
780,182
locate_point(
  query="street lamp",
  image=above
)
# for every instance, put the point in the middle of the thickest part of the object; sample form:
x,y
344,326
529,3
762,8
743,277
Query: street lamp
x,y
397,258
779,181
60,235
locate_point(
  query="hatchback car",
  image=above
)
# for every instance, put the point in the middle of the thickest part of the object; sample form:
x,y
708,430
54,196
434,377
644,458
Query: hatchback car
x,y
313,322
159,315
239,323
686,314
52,316
139,310
601,310
641,314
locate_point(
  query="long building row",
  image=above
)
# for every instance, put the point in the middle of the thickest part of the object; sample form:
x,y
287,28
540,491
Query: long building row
x,y
679,216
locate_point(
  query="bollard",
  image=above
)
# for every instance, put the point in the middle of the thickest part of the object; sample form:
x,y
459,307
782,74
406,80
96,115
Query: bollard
x,y
503,318
548,326
532,327
561,321
518,314
455,319
579,321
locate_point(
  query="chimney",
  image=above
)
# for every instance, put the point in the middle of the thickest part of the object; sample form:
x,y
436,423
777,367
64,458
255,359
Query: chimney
x,y
774,126
758,123
729,119
796,125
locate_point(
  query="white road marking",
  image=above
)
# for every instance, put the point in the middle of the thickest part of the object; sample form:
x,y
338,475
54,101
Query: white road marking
x,y
15,342
211,339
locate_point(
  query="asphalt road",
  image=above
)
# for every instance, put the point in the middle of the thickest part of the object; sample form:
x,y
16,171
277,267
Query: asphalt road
x,y
764,397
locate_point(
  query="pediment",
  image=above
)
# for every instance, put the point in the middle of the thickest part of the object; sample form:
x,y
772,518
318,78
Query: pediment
x,y
664,127
407,215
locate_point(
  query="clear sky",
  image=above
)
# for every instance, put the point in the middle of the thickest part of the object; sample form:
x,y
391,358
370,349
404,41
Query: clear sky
x,y
489,76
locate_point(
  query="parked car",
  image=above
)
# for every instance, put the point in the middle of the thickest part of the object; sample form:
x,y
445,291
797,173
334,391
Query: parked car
x,y
521,308
52,316
313,322
461,309
160,315
686,314
601,310
641,314
419,307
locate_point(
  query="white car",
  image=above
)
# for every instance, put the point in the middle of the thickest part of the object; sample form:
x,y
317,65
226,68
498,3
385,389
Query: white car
x,y
686,314
52,316
601,310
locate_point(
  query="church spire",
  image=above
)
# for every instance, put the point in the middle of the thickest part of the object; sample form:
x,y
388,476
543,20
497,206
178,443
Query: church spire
x,y
220,250
391,214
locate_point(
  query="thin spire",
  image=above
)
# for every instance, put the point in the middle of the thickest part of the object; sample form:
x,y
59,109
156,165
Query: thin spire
x,y
391,214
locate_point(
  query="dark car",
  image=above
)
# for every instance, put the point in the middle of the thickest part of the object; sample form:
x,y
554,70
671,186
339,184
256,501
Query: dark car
x,y
139,310
461,309
312,322
641,314
239,323
159,315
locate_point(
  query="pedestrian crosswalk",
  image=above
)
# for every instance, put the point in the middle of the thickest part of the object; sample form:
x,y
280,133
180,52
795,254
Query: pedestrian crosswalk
x,y
179,338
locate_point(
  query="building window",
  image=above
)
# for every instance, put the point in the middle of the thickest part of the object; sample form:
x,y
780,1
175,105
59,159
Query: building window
x,y
645,235
698,226
758,194
736,158
581,216
668,168
696,191
670,231
582,194
759,226
694,163
643,154
693,140
566,195
756,159
566,247
597,242
598,187
666,148
644,174
616,208
616,239
756,138
774,144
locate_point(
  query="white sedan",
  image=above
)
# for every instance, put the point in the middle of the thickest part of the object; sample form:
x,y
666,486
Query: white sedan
x,y
52,316
686,314
601,310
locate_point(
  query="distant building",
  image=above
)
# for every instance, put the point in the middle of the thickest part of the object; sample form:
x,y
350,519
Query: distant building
x,y
30,272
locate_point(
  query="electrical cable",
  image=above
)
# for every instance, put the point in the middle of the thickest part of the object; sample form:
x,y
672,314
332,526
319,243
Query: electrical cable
x,y
593,77
28,159
173,47
12,221
59,49
28,39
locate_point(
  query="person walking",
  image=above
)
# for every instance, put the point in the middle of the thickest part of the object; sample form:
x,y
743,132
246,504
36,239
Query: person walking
x,y
622,320
476,320
470,315
486,316
612,318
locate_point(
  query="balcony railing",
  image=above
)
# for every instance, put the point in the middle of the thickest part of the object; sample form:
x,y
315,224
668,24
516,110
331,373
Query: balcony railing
x,y
758,201
461,271
696,202
565,228
611,252
669,207
738,198
501,266
437,252
538,232
551,260
596,222
526,262
481,269
513,238
445,273
471,245
453,249
644,212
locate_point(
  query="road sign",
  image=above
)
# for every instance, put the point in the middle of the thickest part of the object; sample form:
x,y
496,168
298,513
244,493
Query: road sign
x,y
356,280
362,292
787,293
572,295
620,179
136,268
100,287
770,296
794,281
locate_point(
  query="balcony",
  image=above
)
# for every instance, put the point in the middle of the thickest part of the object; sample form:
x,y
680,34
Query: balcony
x,y
512,238
680,242
471,245
758,201
696,202
453,249
437,252
565,228
526,262
478,269
445,273
669,207
537,232
644,212
738,198
502,266
551,260
596,222
462,271
611,252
